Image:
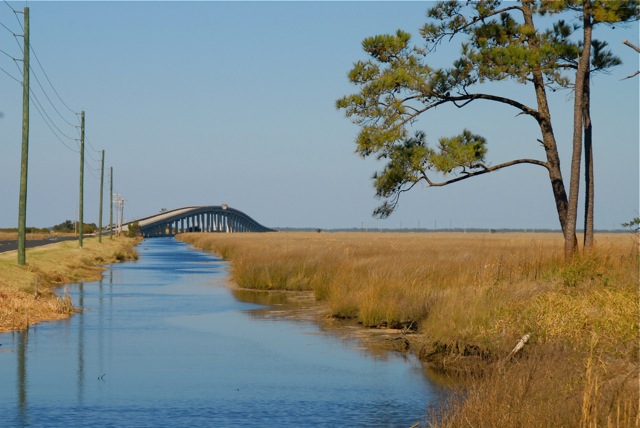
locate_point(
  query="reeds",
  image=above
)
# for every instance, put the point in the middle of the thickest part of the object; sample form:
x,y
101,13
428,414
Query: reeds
x,y
474,284
471,297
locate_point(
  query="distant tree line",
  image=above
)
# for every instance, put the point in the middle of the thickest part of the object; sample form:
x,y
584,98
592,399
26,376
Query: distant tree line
x,y
69,226
66,226
28,230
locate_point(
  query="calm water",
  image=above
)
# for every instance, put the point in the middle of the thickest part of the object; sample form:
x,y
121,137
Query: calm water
x,y
164,343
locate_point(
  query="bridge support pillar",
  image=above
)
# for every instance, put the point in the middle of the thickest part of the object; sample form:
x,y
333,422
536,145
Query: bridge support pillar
x,y
203,219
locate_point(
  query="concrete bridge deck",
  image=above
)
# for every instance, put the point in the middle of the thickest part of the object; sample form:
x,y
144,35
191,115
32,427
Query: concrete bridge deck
x,y
214,218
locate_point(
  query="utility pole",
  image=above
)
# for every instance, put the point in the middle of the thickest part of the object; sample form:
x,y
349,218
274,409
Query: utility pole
x,y
111,206
101,187
22,204
80,209
119,200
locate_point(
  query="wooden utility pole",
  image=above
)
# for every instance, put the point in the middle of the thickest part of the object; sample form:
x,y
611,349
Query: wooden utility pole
x,y
22,205
111,205
101,187
80,207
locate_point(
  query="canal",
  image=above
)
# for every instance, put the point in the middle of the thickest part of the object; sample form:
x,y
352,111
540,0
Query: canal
x,y
163,342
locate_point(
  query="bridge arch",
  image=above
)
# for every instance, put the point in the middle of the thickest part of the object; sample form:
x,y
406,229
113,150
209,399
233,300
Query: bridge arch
x,y
215,218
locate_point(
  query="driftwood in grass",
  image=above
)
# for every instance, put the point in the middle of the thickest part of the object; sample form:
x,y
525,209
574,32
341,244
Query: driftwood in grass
x,y
518,346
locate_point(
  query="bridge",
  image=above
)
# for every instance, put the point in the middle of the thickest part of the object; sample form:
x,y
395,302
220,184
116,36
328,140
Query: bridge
x,y
217,218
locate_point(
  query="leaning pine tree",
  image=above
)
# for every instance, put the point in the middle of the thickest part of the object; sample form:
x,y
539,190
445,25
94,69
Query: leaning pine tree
x,y
502,43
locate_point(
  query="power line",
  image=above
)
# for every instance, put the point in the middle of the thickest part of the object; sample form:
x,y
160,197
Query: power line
x,y
95,168
88,152
8,29
15,37
51,84
42,113
9,6
48,117
10,56
19,69
48,98
41,67
92,158
8,74
53,127
93,174
36,75
91,145
15,13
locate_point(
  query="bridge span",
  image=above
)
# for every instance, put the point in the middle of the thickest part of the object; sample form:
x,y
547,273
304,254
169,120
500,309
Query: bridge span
x,y
216,218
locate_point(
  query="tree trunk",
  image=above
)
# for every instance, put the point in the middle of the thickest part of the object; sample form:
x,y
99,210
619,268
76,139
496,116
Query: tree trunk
x,y
588,167
570,245
555,175
548,138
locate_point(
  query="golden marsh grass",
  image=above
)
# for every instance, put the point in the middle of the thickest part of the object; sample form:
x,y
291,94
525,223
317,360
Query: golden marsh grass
x,y
26,292
468,298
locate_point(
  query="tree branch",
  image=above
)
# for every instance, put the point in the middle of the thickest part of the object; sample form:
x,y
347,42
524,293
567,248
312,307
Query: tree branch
x,y
484,171
492,14
474,21
637,49
631,45
525,109
468,98
388,207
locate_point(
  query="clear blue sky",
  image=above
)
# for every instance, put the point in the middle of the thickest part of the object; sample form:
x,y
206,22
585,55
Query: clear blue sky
x,y
205,103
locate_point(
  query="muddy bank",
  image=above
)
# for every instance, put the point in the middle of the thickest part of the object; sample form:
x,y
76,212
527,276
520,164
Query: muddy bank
x,y
377,342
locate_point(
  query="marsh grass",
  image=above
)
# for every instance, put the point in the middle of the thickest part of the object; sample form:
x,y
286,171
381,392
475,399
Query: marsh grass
x,y
27,292
469,298
12,236
550,386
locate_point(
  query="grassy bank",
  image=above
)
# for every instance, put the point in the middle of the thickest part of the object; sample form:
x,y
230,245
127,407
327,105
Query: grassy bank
x,y
27,292
13,236
464,300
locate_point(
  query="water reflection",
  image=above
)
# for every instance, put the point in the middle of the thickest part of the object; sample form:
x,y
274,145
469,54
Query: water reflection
x,y
23,340
301,307
162,342
80,320
265,298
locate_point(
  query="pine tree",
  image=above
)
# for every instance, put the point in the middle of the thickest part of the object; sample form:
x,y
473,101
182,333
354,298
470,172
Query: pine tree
x,y
502,43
